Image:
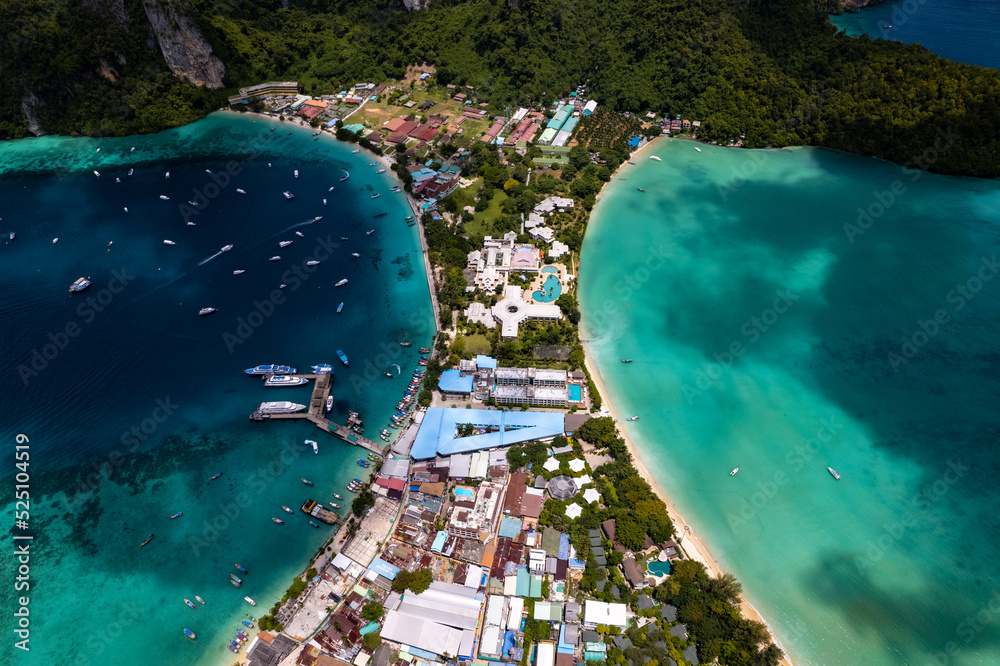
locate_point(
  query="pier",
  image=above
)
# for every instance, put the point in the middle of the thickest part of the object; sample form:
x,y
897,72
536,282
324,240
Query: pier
x,y
322,384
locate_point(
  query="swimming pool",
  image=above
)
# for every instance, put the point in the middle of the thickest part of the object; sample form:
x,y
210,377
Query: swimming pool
x,y
465,492
550,290
575,393
550,269
658,568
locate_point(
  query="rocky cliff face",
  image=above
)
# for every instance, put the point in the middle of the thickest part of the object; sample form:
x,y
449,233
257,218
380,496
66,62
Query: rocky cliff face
x,y
31,107
187,53
413,5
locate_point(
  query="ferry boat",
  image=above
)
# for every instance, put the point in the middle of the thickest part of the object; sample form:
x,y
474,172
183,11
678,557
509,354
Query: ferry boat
x,y
276,257
148,539
271,370
632,418
296,173
206,311
314,524
654,157
79,285
341,283
190,634
250,601
329,404
284,380
239,272
307,482
278,520
240,568
227,248
165,197
177,515
733,473
340,307
282,407
169,242
312,263
425,350
213,478
240,191
286,509
284,243
833,472
323,369
189,603
376,195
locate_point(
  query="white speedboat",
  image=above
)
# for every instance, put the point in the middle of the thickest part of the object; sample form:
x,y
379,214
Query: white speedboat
x,y
341,283
206,311
324,202
312,263
169,242
733,473
126,209
288,195
193,203
276,257
369,232
227,248
654,157
697,148
833,473
208,171
240,191
130,171
284,380
355,254
118,180
380,171
55,240
168,174
239,272
164,197
300,234
284,243
191,224
376,195
329,404
97,173
330,190
317,218
296,174
314,445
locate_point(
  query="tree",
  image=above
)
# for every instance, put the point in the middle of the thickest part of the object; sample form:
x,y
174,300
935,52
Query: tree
x,y
569,307
373,612
361,503
415,581
373,640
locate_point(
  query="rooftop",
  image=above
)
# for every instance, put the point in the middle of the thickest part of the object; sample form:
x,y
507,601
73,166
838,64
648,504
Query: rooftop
x,y
437,434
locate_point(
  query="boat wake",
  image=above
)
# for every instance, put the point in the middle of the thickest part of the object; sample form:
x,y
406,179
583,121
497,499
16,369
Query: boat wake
x,y
304,223
398,369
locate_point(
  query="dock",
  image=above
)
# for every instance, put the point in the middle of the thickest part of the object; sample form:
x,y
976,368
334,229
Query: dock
x,y
322,384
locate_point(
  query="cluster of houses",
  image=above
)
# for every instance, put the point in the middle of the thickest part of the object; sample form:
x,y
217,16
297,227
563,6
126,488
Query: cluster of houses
x,y
482,379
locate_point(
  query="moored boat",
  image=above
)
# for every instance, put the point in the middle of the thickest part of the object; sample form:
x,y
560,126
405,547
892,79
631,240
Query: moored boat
x,y
250,601
376,195
199,600
278,520
189,603
79,285
164,197
148,539
236,583
233,576
206,311
340,307
272,369
313,523
425,350
215,477
334,505
190,634
833,473
329,404
284,380
307,482
343,357
654,157
177,515
733,473
288,195
338,496
286,509
632,418
240,567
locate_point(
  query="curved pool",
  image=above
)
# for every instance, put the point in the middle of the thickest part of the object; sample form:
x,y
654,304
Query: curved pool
x,y
550,291
550,269
658,568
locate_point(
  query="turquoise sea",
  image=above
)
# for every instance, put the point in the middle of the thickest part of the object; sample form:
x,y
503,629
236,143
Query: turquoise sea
x,y
133,401
791,310
961,30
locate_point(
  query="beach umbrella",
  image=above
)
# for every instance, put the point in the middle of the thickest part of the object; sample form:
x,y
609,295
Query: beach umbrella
x,y
574,511
551,465
591,495
577,465
584,480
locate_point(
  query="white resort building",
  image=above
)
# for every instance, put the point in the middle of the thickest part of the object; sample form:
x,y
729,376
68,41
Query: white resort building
x,y
512,310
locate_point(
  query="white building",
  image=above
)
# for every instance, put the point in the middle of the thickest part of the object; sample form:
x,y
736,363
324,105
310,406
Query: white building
x,y
441,620
543,234
553,204
478,521
589,107
513,309
559,249
599,612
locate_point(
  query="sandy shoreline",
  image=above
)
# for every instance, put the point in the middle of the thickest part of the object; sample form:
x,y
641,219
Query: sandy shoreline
x,y
692,544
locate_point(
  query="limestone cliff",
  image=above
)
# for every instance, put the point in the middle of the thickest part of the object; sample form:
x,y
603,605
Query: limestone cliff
x,y
187,53
414,4
31,107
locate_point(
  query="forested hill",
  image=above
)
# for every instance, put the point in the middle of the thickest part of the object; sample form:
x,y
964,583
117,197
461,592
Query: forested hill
x,y
775,71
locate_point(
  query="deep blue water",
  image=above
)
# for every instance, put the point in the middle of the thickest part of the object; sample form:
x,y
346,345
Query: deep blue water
x,y
132,401
962,30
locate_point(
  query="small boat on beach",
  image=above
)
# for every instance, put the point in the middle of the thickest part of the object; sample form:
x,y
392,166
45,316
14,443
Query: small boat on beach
x,y
79,285
833,473
177,515
206,311
733,473
240,568
307,482
250,601
189,603
190,634
215,477
148,539
278,520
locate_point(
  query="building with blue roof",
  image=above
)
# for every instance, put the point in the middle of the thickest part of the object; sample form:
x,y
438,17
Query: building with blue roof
x,y
354,128
383,568
439,540
486,362
438,434
452,383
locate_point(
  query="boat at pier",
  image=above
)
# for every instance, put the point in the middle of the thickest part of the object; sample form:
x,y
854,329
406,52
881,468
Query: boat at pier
x,y
284,380
323,369
190,634
79,285
316,510
329,404
215,477
281,407
206,311
177,515
148,539
272,369
833,473
343,357
240,568
189,603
